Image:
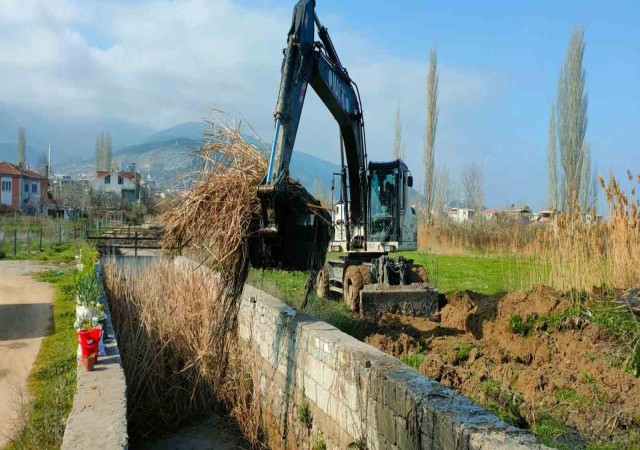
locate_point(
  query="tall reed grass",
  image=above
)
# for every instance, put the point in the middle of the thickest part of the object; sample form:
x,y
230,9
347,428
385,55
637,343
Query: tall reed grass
x,y
570,252
497,236
580,254
178,348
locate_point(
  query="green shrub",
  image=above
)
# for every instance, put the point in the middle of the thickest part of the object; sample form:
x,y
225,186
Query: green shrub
x,y
304,414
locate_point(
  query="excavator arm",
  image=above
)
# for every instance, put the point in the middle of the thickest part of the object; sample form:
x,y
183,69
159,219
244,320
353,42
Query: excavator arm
x,y
307,62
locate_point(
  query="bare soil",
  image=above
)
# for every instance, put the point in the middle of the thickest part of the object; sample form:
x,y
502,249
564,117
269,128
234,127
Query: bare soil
x,y
567,372
26,308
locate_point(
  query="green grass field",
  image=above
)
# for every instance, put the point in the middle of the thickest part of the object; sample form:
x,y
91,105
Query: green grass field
x,y
449,273
482,274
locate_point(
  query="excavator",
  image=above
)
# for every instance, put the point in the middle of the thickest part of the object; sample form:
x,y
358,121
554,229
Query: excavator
x,y
374,216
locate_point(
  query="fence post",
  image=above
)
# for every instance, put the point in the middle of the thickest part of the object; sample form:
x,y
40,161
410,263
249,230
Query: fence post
x,y
135,245
41,238
59,234
75,232
29,239
15,242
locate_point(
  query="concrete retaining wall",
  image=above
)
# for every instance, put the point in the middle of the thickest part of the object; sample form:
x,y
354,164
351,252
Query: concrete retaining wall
x,y
98,418
319,385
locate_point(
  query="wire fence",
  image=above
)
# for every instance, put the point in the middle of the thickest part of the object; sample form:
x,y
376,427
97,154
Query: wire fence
x,y
28,236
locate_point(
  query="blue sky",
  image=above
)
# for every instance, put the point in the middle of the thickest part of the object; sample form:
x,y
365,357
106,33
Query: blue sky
x,y
155,63
523,44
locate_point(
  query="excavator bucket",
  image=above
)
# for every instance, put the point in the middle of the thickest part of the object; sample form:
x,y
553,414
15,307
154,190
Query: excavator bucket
x,y
293,232
417,299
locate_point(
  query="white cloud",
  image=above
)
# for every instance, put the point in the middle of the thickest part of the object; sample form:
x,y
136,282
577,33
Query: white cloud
x,y
158,63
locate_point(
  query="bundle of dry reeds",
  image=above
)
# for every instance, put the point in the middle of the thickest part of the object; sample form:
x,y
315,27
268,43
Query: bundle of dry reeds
x,y
217,216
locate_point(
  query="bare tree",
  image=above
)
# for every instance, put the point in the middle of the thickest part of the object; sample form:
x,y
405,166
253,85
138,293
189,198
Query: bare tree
x,y
588,182
22,146
472,181
398,150
443,192
42,164
432,125
572,120
552,162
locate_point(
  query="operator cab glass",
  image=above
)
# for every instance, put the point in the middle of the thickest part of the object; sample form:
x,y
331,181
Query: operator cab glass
x,y
384,201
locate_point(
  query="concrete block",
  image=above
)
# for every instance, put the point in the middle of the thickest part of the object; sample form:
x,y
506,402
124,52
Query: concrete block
x,y
323,397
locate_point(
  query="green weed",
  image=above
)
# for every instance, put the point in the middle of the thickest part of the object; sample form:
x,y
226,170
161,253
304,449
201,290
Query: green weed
x,y
505,404
414,360
319,443
571,396
554,433
462,353
304,414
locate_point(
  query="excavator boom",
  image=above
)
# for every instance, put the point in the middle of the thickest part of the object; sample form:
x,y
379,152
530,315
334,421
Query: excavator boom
x,y
307,62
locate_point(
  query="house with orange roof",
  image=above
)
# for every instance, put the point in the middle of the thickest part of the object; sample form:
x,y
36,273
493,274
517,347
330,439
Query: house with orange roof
x,y
123,184
21,189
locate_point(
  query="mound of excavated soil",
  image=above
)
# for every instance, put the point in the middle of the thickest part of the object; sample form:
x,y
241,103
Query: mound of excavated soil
x,y
566,371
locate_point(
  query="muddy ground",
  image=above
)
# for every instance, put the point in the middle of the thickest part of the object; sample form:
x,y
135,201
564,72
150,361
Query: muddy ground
x,y
555,372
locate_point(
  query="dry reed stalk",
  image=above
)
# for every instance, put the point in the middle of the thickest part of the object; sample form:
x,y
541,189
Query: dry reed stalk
x,y
214,216
169,321
579,254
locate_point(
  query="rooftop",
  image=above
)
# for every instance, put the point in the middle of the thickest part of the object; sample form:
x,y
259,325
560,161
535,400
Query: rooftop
x,y
7,168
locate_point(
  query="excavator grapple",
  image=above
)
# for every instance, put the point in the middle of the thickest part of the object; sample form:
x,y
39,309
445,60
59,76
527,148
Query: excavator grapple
x,y
294,231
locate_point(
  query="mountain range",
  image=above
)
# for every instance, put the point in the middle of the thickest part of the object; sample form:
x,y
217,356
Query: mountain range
x,y
167,155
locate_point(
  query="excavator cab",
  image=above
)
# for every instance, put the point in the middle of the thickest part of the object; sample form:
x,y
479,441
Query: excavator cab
x,y
392,222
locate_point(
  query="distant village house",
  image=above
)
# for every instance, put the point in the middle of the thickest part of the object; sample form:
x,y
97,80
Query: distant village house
x,y
126,185
461,214
21,189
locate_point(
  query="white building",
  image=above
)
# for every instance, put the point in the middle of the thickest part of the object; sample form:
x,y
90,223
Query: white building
x,y
126,185
461,214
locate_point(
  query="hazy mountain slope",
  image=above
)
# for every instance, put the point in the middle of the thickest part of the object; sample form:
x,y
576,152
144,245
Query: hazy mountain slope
x,y
188,130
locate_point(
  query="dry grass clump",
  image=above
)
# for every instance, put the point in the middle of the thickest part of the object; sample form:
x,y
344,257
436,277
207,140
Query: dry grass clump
x,y
499,236
576,253
175,346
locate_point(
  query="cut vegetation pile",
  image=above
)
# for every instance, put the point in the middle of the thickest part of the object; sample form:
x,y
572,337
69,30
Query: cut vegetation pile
x,y
221,212
216,215
566,368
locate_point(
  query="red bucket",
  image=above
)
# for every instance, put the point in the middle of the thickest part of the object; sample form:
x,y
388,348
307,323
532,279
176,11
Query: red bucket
x,y
89,341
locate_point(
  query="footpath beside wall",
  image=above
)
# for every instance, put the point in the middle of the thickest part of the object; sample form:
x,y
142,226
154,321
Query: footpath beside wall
x,y
321,386
98,418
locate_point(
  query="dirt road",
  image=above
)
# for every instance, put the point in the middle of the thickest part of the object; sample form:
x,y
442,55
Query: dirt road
x,y
26,308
